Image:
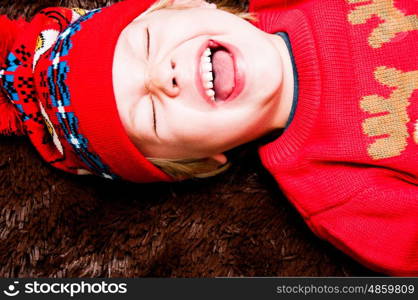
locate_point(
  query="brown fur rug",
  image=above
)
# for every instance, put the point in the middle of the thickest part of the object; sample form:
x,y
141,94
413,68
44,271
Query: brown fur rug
x,y
54,224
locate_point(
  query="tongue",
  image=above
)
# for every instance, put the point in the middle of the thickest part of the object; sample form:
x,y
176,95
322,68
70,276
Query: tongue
x,y
223,67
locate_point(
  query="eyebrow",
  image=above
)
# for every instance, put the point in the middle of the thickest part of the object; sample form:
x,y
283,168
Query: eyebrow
x,y
148,42
152,99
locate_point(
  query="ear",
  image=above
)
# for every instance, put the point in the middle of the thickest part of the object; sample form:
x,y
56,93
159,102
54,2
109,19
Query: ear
x,y
193,3
220,158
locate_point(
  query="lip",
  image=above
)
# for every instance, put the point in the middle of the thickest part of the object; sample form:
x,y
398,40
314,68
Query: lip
x,y
239,77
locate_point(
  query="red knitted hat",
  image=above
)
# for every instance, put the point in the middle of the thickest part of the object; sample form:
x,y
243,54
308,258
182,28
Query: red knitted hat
x,y
56,81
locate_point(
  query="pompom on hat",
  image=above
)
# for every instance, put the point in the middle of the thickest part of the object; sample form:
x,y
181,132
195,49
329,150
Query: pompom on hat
x,y
56,87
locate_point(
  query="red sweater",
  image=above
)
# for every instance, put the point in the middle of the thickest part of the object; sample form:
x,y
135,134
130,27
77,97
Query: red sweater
x,y
349,159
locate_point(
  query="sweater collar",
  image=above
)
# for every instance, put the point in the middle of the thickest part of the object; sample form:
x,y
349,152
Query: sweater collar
x,y
285,37
296,26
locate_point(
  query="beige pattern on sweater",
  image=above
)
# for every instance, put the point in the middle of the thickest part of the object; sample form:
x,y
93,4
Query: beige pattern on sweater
x,y
393,124
395,21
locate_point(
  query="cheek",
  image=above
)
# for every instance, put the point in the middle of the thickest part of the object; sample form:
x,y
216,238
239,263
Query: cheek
x,y
210,130
192,127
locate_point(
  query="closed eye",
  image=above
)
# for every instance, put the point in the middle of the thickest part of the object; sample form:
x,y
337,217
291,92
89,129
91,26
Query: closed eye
x,y
152,100
148,42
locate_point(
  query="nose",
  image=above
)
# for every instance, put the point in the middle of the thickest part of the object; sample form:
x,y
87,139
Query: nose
x,y
162,79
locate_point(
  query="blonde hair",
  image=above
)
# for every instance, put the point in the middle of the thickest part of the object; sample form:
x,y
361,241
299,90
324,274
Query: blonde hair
x,y
181,169
222,4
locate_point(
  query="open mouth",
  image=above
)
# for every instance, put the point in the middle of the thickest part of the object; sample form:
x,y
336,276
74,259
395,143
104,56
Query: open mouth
x,y
218,72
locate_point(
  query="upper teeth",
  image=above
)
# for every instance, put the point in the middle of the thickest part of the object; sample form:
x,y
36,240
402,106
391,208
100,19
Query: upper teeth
x,y
206,71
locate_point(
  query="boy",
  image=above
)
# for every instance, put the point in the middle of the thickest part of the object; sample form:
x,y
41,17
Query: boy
x,y
92,49
345,95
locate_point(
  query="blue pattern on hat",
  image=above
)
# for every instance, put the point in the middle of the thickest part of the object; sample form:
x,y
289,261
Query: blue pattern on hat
x,y
12,63
61,99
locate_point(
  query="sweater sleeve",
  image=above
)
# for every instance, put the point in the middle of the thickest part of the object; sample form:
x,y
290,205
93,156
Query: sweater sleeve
x,y
378,227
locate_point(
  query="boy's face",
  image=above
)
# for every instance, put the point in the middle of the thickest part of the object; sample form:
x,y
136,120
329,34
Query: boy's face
x,y
164,91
